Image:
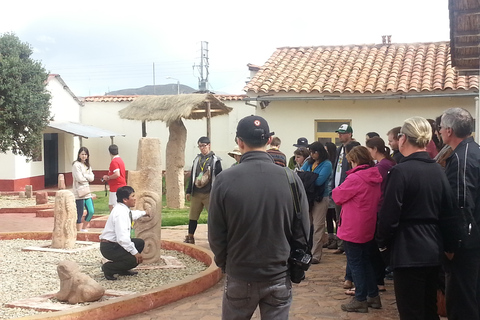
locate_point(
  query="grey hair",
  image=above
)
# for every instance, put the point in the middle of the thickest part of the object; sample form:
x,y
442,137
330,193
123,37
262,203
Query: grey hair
x,y
418,131
459,120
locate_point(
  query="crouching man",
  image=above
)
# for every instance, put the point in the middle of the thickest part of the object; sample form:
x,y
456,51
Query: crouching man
x,y
116,244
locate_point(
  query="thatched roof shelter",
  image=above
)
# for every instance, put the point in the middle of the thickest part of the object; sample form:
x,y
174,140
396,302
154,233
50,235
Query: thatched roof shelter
x,y
170,108
465,35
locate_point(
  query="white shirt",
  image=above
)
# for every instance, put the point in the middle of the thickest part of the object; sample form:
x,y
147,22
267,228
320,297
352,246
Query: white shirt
x,y
117,228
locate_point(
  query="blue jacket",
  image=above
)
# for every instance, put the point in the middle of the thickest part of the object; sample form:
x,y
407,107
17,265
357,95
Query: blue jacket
x,y
324,170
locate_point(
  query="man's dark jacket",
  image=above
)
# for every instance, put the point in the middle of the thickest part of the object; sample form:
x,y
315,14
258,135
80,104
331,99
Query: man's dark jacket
x,y
463,173
250,220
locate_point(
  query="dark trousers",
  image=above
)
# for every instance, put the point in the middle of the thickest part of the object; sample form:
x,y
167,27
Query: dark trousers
x,y
331,217
120,259
416,292
359,262
463,285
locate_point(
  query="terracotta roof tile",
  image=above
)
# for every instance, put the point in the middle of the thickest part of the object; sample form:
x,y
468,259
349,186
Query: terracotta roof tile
x,y
123,98
414,67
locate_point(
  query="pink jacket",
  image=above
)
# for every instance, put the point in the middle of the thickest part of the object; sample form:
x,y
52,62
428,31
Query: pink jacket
x,y
358,195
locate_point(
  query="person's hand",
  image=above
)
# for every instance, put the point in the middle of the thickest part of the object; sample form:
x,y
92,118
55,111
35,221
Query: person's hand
x,y
105,178
188,196
449,255
139,258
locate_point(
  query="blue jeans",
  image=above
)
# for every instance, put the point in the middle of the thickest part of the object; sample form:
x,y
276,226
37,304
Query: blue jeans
x,y
240,299
359,262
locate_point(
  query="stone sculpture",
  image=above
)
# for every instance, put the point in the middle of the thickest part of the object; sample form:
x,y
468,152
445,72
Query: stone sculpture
x,y
147,182
175,162
28,191
76,287
41,197
64,232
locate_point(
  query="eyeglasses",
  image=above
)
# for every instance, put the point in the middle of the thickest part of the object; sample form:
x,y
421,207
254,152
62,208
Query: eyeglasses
x,y
203,145
400,134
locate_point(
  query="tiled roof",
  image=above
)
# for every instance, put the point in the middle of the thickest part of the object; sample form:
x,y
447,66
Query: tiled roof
x,y
415,67
110,98
222,97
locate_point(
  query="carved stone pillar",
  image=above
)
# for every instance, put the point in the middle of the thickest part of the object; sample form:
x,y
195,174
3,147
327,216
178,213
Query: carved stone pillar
x,y
147,182
64,232
175,162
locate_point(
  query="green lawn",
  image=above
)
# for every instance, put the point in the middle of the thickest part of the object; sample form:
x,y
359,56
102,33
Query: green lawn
x,y
170,217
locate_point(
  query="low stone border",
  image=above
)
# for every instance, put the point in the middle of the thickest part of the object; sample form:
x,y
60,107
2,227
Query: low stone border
x,y
139,302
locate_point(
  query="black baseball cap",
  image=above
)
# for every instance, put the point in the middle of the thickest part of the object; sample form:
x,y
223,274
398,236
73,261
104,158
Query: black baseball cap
x,y
254,129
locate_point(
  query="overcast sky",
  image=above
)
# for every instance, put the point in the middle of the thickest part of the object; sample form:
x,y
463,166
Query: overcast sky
x,y
104,45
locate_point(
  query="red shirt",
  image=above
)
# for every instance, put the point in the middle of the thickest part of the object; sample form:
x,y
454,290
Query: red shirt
x,y
117,164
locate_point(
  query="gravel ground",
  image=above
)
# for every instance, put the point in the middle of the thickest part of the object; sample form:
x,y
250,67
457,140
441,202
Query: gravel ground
x,y
25,274
16,202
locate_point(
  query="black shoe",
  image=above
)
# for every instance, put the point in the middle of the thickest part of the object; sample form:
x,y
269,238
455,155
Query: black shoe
x,y
128,273
108,276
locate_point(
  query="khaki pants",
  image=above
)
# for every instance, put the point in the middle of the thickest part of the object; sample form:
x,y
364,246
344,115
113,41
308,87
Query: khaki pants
x,y
318,216
197,203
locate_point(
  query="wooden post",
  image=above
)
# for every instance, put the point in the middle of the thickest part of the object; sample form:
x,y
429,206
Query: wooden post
x,y
208,120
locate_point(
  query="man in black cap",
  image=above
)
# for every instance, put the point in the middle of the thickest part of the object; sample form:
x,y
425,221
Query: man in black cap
x,y
301,143
206,167
252,229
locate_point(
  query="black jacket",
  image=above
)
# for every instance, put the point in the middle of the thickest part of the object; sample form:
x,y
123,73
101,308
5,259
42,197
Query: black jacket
x,y
463,173
250,219
417,220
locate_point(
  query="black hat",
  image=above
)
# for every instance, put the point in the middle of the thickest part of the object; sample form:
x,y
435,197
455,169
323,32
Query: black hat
x,y
204,140
254,129
301,142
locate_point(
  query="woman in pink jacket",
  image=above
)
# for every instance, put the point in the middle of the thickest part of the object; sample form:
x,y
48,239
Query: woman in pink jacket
x,y
359,195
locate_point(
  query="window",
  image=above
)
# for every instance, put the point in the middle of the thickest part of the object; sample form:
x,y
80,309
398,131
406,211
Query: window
x,y
325,130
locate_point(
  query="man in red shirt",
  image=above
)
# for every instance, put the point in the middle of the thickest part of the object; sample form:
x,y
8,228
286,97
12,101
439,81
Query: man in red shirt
x,y
116,175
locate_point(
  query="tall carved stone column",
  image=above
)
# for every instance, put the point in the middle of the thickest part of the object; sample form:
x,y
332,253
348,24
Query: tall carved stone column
x,y
147,182
64,232
175,162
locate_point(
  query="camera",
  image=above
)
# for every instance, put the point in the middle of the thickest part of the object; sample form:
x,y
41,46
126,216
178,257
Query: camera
x,y
299,262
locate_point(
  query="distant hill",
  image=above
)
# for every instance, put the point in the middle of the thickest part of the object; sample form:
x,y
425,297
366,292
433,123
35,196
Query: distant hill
x,y
161,89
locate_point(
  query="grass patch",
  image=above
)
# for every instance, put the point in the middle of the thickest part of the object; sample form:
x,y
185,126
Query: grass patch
x,y
170,217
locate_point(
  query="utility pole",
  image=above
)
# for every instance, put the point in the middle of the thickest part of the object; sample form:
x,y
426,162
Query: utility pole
x,y
203,81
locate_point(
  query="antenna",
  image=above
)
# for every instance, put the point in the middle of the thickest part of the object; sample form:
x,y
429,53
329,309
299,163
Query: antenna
x,y
203,68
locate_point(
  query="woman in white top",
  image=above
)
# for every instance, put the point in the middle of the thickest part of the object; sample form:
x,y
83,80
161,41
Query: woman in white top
x,y
82,174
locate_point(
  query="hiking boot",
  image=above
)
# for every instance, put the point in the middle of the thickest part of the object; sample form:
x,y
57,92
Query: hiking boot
x,y
356,306
329,243
333,245
189,239
374,302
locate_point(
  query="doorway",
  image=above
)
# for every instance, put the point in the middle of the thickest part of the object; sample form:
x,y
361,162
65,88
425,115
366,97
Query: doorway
x,y
50,159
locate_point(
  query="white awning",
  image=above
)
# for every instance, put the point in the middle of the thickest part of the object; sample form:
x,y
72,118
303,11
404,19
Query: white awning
x,y
82,130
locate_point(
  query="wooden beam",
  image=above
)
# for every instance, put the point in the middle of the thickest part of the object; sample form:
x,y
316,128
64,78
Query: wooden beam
x,y
467,33
473,44
211,110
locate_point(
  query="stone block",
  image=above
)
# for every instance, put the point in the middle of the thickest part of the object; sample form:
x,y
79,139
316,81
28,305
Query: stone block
x,y
41,197
28,191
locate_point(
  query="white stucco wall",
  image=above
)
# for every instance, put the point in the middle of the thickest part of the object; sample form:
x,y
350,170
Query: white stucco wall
x,y
293,119
105,115
63,106
16,167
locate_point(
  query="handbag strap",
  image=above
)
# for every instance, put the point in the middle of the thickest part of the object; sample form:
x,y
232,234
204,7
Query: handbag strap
x,y
296,202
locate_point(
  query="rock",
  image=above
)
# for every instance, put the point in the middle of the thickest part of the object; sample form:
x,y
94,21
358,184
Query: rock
x,y
41,197
64,232
61,182
76,287
28,191
21,194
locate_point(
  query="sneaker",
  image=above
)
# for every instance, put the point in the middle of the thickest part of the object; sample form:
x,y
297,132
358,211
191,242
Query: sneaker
x,y
315,261
338,251
356,306
374,302
189,239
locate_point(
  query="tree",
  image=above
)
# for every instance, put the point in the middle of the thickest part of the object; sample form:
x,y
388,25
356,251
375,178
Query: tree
x,y
24,99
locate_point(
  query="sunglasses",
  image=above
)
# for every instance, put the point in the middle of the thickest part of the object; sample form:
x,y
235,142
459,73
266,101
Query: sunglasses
x,y
400,134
